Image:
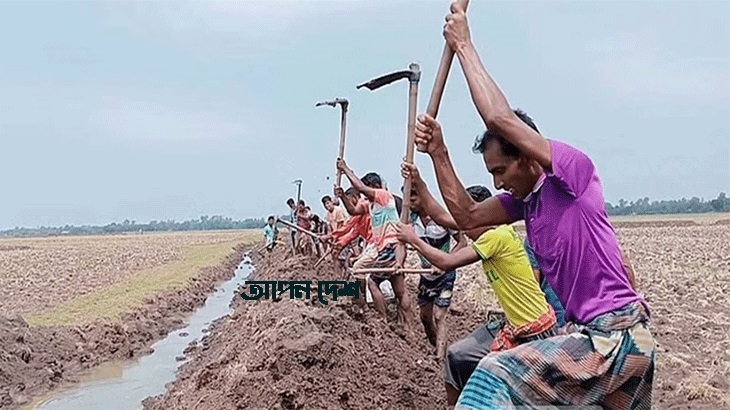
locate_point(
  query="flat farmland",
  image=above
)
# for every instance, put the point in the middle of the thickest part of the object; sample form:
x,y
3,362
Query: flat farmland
x,y
72,303
682,263
61,280
684,272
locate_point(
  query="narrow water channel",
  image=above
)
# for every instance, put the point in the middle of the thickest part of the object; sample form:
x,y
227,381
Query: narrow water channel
x,y
123,385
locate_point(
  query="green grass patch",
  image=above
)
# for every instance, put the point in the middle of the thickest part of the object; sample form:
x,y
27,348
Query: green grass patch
x,y
112,302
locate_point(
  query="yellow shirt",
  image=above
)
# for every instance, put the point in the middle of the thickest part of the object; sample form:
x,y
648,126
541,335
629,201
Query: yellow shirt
x,y
506,265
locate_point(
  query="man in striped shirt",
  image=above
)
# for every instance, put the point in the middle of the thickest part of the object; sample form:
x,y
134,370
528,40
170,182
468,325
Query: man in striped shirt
x,y
383,251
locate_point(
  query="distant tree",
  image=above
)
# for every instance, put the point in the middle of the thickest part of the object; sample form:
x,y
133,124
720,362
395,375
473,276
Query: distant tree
x,y
204,223
644,206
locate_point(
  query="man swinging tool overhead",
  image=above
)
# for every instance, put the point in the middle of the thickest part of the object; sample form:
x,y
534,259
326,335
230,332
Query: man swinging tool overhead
x,y
335,214
382,250
608,358
387,250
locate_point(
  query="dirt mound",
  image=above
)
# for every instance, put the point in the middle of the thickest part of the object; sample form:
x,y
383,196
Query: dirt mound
x,y
294,354
33,360
299,354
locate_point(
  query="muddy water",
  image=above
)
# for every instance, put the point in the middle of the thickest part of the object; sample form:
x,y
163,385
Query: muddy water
x,y
123,385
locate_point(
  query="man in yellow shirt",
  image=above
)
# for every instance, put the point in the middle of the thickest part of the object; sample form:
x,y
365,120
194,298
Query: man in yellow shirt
x,y
507,267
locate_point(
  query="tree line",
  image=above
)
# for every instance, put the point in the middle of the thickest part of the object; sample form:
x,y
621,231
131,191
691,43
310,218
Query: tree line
x,y
642,206
673,206
205,223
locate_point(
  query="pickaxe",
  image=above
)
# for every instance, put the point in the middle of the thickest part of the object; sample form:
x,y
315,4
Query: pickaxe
x,y
298,228
343,126
413,74
447,56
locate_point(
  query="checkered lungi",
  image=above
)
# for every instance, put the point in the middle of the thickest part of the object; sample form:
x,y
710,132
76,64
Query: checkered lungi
x,y
607,363
510,336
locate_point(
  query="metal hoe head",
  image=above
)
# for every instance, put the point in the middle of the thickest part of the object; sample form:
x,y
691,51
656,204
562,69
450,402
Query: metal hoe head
x,y
413,74
333,103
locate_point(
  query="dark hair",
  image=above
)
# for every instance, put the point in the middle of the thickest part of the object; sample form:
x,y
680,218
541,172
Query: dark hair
x,y
398,204
301,202
290,201
352,191
372,180
479,193
509,149
314,218
270,217
326,198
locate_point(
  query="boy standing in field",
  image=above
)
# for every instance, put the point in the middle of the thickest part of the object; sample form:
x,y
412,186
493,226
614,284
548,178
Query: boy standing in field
x,y
304,242
270,232
383,251
336,216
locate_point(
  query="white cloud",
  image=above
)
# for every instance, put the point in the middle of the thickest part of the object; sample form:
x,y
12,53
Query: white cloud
x,y
631,65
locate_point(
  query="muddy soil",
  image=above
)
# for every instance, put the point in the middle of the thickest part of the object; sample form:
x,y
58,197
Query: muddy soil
x,y
295,354
299,354
34,360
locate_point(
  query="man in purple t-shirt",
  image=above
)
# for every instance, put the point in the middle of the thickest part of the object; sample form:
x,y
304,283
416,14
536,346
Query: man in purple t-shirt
x,y
607,358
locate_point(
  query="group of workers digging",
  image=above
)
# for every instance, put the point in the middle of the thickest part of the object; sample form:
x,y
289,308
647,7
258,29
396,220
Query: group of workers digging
x,y
575,331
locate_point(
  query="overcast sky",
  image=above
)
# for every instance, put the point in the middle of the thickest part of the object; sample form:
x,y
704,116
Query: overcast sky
x,y
174,110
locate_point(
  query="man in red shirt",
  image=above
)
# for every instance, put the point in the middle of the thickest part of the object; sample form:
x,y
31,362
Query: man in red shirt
x,y
357,226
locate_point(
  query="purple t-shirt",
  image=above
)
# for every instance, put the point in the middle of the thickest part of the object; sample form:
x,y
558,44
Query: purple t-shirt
x,y
575,244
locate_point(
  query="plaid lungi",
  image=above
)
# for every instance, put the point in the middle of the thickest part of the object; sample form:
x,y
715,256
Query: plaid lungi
x,y
510,337
608,363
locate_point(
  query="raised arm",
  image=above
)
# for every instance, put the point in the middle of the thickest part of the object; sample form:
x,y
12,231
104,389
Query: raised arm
x,y
444,261
430,206
467,213
356,209
489,100
355,181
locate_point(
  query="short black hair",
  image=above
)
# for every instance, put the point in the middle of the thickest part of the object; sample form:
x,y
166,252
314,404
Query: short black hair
x,y
479,193
270,217
290,201
509,149
301,202
372,180
326,199
352,191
